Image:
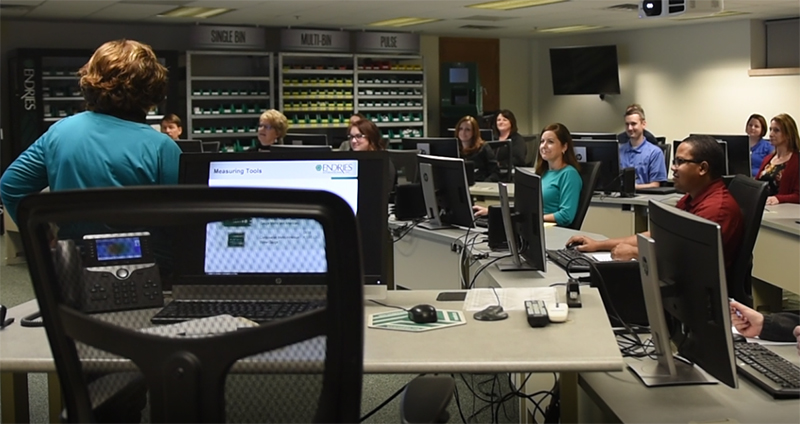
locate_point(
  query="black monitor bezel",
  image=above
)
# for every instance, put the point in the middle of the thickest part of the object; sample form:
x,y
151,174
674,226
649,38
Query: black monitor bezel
x,y
372,217
529,217
306,139
734,144
609,167
443,146
450,178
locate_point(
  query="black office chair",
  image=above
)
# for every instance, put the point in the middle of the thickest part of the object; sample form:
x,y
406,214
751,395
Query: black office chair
x,y
665,148
305,368
590,171
751,195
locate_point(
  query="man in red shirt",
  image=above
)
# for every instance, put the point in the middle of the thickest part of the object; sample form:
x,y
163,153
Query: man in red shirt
x,y
697,169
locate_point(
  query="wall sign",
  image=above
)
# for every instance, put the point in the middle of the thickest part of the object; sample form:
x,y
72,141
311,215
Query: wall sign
x,y
387,42
225,37
315,40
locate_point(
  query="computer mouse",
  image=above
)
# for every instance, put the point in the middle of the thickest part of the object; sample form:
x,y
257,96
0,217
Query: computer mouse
x,y
491,313
557,312
422,314
573,245
738,338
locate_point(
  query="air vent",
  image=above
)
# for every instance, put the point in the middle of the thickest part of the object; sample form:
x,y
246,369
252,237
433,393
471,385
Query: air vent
x,y
485,18
625,7
481,27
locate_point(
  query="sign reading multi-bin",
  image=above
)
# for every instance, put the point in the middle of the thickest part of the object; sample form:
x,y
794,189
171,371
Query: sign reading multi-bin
x,y
315,40
225,37
387,42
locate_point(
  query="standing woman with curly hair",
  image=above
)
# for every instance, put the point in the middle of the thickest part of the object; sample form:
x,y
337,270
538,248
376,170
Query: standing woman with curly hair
x,y
108,145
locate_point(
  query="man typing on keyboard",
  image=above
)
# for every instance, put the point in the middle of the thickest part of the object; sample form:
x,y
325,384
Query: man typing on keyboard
x,y
697,167
778,327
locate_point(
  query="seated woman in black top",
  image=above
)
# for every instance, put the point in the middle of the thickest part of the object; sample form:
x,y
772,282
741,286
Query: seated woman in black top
x,y
475,150
506,128
364,136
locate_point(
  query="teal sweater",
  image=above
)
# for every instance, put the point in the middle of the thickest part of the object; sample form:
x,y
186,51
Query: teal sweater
x,y
91,150
561,191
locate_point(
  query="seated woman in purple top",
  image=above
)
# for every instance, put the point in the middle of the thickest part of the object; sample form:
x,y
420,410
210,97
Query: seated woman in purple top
x,y
760,147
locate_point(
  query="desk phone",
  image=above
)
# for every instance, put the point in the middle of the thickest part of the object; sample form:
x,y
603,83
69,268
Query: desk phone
x,y
119,273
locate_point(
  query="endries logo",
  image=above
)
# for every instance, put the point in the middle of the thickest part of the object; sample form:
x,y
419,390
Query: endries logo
x,y
335,168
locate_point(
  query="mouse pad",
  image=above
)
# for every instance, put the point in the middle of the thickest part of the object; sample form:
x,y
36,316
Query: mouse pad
x,y
398,320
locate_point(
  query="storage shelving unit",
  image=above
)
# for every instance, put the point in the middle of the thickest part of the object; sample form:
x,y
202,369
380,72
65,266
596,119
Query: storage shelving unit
x,y
226,93
316,90
390,91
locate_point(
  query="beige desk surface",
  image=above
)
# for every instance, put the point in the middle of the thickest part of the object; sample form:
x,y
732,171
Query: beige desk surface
x,y
782,217
490,190
477,347
628,400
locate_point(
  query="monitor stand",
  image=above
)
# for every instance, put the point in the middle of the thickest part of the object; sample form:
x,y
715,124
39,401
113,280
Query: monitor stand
x,y
514,266
665,370
375,291
434,221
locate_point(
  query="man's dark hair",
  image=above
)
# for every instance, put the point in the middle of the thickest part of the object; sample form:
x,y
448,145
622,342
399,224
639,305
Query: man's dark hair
x,y
706,148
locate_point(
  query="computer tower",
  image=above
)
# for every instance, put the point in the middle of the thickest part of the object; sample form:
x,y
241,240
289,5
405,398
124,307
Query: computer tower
x,y
628,186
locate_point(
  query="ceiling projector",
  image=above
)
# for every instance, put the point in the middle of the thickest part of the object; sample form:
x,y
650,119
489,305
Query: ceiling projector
x,y
675,8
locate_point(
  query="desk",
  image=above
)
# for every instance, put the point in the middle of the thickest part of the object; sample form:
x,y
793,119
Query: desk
x,y
608,215
477,347
423,259
621,397
776,255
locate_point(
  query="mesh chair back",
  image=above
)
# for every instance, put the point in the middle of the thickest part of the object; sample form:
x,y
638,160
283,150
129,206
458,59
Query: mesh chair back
x,y
301,368
590,171
751,195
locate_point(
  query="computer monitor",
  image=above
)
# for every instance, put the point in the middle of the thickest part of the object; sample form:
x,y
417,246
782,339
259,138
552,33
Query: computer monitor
x,y
210,146
487,134
299,148
593,136
606,152
358,177
525,226
683,279
407,165
738,153
190,146
446,192
723,144
444,147
305,139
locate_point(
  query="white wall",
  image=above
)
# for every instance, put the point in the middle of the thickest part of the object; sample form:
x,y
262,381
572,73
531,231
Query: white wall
x,y
688,79
516,92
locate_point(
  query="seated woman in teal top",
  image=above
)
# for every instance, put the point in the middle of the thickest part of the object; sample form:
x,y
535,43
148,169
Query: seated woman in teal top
x,y
561,182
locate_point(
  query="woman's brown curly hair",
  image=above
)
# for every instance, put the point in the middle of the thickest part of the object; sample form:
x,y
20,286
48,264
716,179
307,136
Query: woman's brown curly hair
x,y
123,76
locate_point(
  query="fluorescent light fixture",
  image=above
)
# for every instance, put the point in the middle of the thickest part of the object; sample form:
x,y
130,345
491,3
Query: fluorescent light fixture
x,y
723,14
571,28
402,22
194,12
513,4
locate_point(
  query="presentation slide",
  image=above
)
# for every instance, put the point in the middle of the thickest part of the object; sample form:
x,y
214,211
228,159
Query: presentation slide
x,y
339,177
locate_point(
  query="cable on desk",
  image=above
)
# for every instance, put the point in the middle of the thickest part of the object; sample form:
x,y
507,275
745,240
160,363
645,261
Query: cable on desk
x,y
388,306
400,232
483,267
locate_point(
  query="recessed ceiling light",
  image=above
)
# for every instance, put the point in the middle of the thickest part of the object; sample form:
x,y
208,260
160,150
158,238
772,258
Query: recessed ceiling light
x,y
571,28
513,4
402,22
723,14
194,12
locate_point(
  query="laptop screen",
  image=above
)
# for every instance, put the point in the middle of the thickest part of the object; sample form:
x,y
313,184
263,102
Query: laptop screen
x,y
257,245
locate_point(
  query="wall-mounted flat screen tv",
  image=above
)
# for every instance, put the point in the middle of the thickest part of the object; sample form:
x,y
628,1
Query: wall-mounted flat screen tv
x,y
584,70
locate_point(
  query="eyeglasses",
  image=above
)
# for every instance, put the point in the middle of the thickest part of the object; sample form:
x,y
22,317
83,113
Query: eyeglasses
x,y
355,136
681,161
265,126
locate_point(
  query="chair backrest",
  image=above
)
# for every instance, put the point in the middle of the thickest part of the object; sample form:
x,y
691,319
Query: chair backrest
x,y
751,195
306,368
532,142
667,154
590,171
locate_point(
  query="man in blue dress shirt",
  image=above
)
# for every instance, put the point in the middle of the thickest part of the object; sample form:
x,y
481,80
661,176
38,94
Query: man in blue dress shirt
x,y
638,153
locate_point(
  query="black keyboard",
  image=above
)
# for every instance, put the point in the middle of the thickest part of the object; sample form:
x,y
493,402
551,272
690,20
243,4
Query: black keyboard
x,y
254,310
482,221
562,257
767,370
